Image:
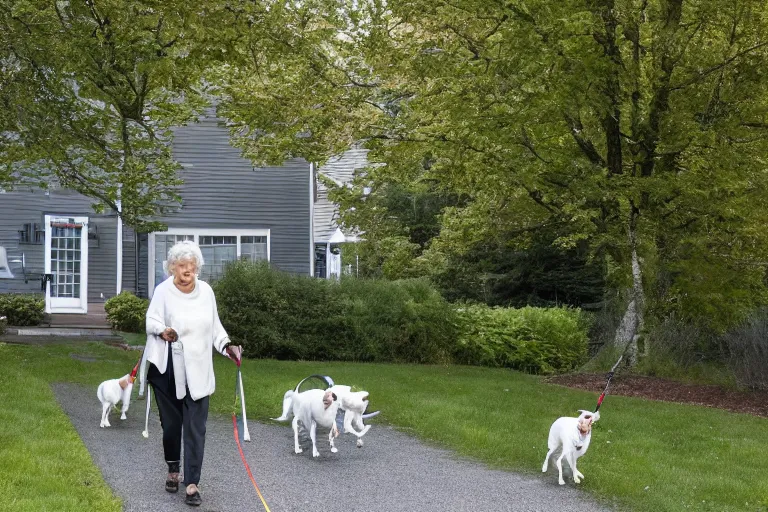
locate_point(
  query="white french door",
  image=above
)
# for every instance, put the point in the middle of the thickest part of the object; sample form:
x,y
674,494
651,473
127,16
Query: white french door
x,y
66,262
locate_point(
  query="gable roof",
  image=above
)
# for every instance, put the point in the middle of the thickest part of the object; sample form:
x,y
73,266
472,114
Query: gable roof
x,y
341,170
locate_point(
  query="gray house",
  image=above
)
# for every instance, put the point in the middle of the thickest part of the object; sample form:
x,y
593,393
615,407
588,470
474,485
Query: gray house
x,y
327,233
231,209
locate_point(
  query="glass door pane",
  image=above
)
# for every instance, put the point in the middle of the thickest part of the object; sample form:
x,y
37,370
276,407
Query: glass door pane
x,y
66,261
66,258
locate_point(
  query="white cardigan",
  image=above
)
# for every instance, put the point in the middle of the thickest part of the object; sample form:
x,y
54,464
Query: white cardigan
x,y
196,320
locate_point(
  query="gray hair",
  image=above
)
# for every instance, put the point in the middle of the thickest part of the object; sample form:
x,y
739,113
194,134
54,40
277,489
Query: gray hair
x,y
186,250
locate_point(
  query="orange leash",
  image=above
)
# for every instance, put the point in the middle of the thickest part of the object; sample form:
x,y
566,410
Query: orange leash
x,y
245,463
237,437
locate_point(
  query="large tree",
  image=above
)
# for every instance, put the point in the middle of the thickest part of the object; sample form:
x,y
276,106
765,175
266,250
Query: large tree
x,y
90,92
637,125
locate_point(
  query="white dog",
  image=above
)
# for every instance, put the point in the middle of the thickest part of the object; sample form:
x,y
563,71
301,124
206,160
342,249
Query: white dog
x,y
111,392
353,403
312,408
573,434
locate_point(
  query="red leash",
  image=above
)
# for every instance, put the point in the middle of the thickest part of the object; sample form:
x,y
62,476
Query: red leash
x,y
238,382
135,370
610,376
245,463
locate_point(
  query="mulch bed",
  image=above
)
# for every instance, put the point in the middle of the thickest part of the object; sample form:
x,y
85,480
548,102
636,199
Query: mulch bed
x,y
653,388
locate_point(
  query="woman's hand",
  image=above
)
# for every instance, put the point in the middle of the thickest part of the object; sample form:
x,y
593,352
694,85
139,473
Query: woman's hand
x,y
234,352
169,335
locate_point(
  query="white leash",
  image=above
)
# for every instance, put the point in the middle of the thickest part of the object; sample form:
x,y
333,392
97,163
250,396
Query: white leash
x,y
246,434
146,416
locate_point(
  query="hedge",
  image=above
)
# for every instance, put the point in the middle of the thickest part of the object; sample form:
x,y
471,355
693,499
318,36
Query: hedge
x,y
285,316
22,309
279,315
534,340
127,312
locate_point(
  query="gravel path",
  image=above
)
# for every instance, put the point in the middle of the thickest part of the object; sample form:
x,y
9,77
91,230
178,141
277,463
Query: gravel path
x,y
391,473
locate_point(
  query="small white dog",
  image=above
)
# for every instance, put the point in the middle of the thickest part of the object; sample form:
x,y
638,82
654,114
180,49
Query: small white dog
x,y
573,434
111,392
353,403
312,408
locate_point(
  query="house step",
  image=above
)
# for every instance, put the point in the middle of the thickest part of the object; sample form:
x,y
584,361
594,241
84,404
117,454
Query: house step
x,y
72,331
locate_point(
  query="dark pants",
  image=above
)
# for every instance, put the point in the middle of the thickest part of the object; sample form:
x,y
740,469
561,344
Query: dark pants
x,y
177,416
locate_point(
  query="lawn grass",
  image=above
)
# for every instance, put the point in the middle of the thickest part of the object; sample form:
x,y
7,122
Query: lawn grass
x,y
645,456
43,463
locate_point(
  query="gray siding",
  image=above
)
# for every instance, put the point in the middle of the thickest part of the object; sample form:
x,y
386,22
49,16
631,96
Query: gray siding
x,y
341,170
26,205
129,260
102,260
136,284
222,190
143,265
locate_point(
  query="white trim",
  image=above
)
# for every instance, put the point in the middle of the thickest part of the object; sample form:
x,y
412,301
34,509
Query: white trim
x,y
68,306
197,233
79,311
312,220
119,286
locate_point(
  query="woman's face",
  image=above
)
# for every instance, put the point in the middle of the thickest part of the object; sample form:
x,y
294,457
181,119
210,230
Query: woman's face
x,y
184,271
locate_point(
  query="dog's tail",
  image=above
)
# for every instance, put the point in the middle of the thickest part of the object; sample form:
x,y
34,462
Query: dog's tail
x,y
287,406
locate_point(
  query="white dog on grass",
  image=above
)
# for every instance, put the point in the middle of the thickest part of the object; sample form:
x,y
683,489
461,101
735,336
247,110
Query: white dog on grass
x,y
111,392
573,434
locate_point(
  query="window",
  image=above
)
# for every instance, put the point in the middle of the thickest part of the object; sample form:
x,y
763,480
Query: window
x,y
320,258
218,246
217,252
253,248
65,261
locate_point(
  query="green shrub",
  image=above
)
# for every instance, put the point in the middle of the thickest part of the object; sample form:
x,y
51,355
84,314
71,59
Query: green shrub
x,y
684,350
22,310
284,316
405,321
273,314
535,340
279,315
748,347
127,312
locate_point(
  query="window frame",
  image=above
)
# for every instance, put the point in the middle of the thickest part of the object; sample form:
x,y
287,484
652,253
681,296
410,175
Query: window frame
x,y
196,233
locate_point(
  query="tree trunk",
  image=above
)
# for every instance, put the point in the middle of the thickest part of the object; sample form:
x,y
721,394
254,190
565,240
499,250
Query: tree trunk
x,y
633,321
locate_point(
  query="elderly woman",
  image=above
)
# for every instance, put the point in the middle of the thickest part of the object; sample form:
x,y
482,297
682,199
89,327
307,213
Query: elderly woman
x,y
183,328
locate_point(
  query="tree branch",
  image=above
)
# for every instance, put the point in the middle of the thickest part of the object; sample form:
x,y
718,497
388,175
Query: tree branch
x,y
699,76
586,146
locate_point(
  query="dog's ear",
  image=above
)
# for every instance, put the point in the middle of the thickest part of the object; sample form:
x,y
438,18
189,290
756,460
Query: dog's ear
x,y
334,396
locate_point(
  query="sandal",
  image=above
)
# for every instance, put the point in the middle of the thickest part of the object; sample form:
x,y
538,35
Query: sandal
x,y
171,485
193,499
